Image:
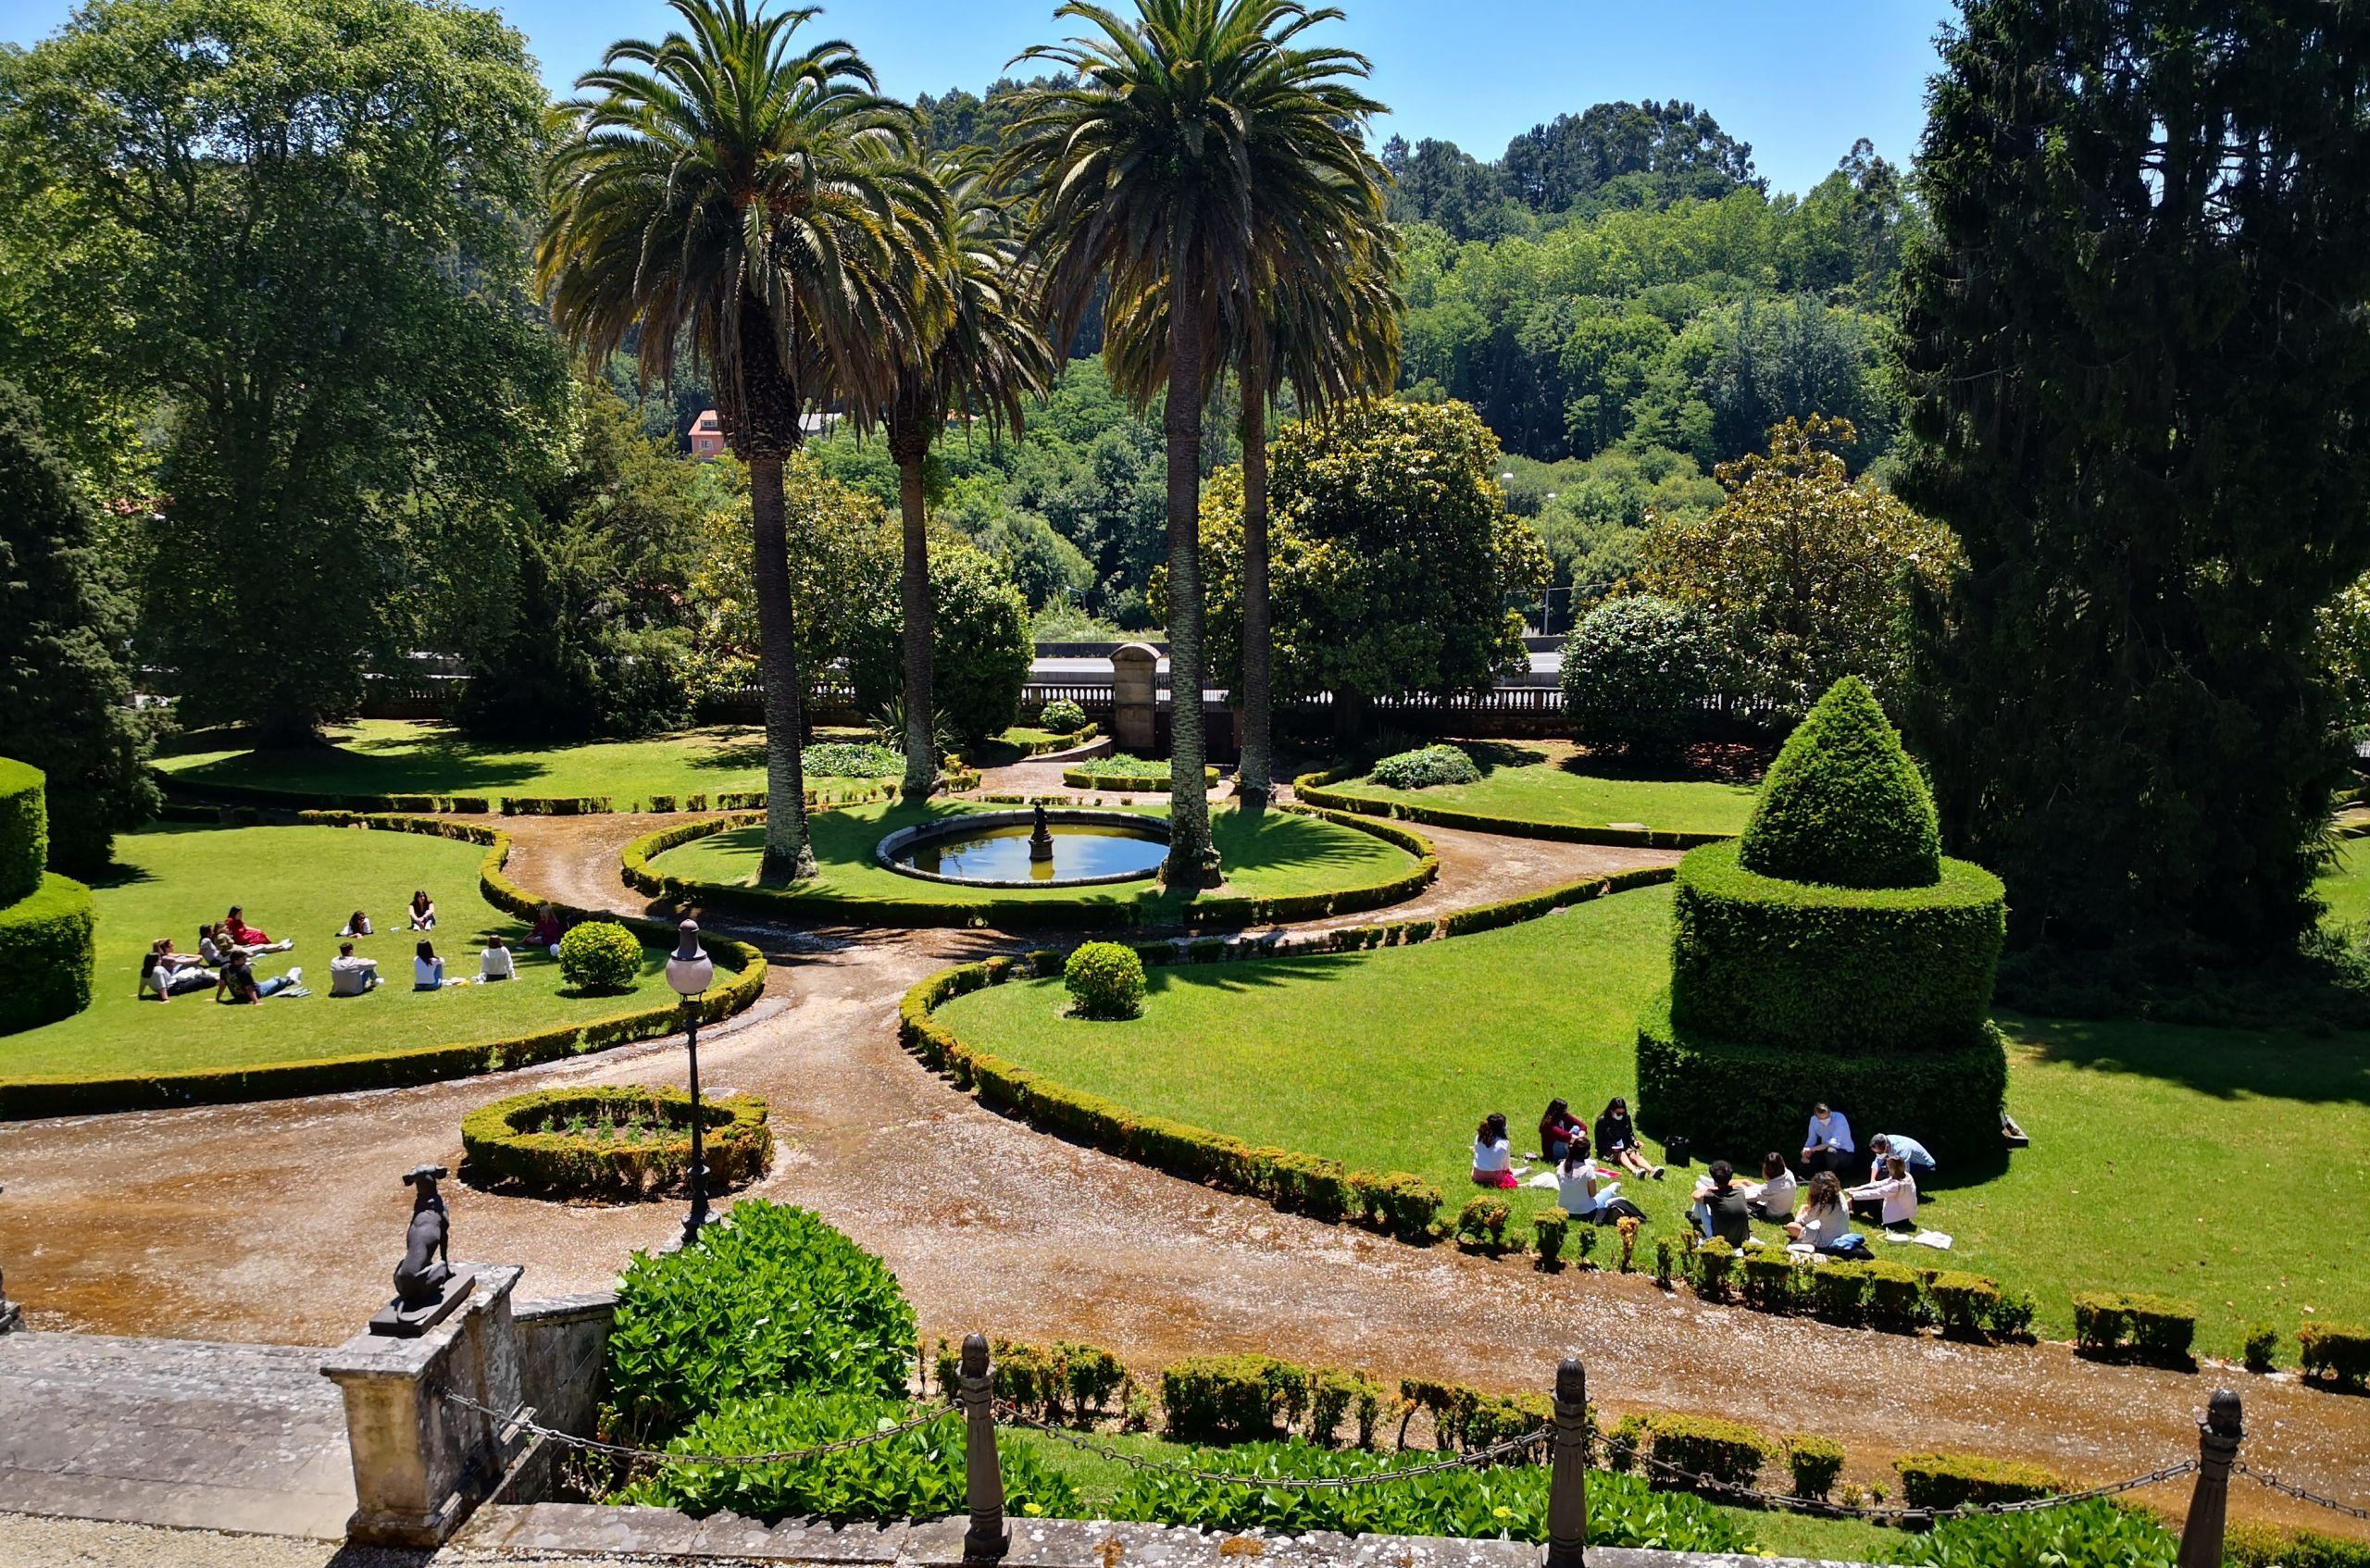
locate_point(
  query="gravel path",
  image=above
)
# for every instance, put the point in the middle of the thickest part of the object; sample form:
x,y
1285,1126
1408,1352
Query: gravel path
x,y
193,1223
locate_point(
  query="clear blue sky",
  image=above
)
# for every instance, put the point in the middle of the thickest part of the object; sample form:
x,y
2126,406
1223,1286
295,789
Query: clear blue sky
x,y
1798,79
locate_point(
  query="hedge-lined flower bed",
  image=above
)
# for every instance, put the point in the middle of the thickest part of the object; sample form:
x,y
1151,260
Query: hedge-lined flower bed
x,y
205,793
1310,789
613,1141
1123,774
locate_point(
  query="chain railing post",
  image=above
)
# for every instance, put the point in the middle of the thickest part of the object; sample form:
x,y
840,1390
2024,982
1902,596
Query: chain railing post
x,y
983,1473
1567,1485
2209,1503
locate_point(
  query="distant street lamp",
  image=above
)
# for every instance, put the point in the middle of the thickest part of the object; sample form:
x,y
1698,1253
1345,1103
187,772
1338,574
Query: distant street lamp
x,y
690,971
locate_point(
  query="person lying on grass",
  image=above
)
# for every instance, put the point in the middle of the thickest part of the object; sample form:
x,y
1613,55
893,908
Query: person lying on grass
x,y
1560,1131
1720,1210
1616,1140
1912,1152
1772,1198
1892,1199
248,938
1823,1223
165,973
1493,1158
351,974
237,983
423,911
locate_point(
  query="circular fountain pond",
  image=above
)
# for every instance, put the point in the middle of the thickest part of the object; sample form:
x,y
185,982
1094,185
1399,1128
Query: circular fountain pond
x,y
1000,849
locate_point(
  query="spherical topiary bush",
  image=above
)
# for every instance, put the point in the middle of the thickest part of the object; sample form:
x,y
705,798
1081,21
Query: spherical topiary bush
x,y
1843,805
1636,669
1062,717
1106,980
600,955
1426,769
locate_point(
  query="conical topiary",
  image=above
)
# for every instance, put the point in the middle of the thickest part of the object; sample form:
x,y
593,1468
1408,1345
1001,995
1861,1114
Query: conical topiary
x,y
1843,805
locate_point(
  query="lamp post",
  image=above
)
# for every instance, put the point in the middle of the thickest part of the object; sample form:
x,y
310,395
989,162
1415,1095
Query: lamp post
x,y
690,970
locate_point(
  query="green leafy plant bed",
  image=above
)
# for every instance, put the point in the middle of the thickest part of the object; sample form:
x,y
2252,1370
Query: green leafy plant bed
x,y
612,1141
1280,865
1545,789
1125,772
302,882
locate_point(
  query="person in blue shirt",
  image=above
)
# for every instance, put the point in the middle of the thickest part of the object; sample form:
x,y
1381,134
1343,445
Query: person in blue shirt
x,y
1828,1145
1913,1154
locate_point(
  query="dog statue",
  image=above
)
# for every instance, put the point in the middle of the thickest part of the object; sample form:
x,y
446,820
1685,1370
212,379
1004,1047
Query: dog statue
x,y
427,1267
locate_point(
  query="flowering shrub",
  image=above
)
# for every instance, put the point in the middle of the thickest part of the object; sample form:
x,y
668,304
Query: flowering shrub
x,y
1426,769
1062,717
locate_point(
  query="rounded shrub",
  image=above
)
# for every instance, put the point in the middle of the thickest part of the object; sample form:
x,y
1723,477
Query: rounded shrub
x,y
1106,980
47,954
1062,717
600,955
24,830
1843,805
1636,670
1794,964
613,1142
1425,769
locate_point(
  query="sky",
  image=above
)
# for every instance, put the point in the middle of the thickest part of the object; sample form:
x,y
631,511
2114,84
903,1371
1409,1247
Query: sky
x,y
1800,80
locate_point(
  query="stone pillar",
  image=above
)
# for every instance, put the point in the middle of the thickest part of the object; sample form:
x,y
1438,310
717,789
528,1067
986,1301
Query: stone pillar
x,y
1135,699
1568,1480
422,1463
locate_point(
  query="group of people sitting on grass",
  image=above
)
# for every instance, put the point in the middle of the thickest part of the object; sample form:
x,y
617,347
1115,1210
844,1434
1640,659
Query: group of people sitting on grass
x,y
1815,1209
227,951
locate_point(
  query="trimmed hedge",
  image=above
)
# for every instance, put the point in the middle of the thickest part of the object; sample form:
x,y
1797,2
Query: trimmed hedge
x,y
1948,1480
1085,776
512,1140
1310,789
1737,1101
1425,768
1106,980
1864,970
1843,805
24,830
48,954
397,1069
1728,1453
2121,1325
2336,1351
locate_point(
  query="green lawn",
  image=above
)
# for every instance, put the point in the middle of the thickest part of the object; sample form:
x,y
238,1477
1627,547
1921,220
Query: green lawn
x,y
1273,853
2345,887
1549,782
299,882
400,757
2213,1164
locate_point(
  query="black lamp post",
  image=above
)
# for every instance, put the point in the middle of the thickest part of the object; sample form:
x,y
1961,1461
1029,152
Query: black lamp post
x,y
690,971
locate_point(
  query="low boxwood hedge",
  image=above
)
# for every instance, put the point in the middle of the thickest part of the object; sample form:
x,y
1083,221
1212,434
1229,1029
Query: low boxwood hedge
x,y
1313,789
1724,1454
2336,1351
49,954
1948,1480
24,830
1094,774
1865,969
525,1141
2114,1324
1737,1101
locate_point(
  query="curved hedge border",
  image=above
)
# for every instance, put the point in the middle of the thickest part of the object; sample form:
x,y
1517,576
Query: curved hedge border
x,y
786,903
24,830
47,956
1400,1205
1311,788
736,1147
397,1069
1083,777
182,788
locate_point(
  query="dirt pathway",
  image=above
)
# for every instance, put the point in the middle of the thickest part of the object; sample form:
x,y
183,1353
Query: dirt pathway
x,y
280,1222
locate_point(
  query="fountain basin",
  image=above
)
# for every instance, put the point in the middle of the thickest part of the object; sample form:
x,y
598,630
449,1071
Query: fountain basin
x,y
989,849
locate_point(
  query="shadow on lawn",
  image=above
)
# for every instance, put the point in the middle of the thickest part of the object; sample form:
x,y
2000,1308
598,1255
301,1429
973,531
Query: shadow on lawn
x,y
2225,1063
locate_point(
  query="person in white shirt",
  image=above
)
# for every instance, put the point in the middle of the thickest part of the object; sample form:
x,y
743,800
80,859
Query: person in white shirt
x,y
1494,1158
356,924
1912,1152
1823,1223
1828,1145
494,964
350,975
1772,1198
427,969
1892,1200
165,973
1575,1186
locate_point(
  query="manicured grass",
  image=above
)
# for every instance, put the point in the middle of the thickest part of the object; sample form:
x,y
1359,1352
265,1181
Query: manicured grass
x,y
2345,887
1272,852
400,757
299,882
1551,782
2216,1165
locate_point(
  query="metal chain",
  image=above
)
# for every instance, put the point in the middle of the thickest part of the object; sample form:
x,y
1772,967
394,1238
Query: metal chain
x,y
626,1450
1011,1415
2266,1478
1700,1481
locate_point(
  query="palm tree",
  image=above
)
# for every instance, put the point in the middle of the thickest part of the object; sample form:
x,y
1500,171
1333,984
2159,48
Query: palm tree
x,y
724,193
1200,155
985,356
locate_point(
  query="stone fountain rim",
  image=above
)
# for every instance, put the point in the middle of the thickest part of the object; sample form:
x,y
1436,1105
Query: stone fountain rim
x,y
886,851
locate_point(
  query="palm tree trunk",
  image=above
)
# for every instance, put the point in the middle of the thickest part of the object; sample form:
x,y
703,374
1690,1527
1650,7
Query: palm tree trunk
x,y
789,856
1192,858
910,447
1255,780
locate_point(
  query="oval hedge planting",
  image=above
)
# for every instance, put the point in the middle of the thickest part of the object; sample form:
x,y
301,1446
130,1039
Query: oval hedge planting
x,y
48,923
1313,789
615,1141
1111,773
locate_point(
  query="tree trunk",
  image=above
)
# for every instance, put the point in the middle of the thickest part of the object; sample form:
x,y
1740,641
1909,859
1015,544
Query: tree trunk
x,y
909,444
1192,858
1254,781
789,856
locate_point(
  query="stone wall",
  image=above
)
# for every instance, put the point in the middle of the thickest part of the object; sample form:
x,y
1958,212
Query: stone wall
x,y
562,1344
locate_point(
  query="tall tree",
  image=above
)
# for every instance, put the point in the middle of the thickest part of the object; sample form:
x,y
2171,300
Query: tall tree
x,y
724,190
1202,156
2140,382
985,357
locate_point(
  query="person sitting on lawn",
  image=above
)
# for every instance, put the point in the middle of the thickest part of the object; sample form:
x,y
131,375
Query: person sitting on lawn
x,y
1616,1140
1576,1185
1913,1154
1772,1198
547,931
427,969
1560,1131
1720,1211
1823,1223
1892,1199
423,911
165,973
1493,1158
248,938
351,974
237,982
494,964
358,924
1828,1145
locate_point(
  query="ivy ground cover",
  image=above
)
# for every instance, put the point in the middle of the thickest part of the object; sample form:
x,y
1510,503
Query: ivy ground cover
x,y
1552,782
2203,1164
300,882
